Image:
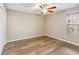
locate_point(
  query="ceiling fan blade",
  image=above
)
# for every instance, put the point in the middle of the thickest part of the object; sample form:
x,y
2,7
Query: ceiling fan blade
x,y
43,5
40,6
53,7
41,12
50,11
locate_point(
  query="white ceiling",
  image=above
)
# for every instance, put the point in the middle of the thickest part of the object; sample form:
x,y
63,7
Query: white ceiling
x,y
31,7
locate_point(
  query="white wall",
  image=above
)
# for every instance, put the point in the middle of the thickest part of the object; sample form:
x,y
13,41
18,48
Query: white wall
x,y
2,27
56,25
24,25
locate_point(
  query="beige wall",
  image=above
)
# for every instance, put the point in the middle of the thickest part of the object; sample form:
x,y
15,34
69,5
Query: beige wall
x,y
24,25
56,24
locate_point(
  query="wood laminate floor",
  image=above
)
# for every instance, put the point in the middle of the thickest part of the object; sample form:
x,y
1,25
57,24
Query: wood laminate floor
x,y
42,45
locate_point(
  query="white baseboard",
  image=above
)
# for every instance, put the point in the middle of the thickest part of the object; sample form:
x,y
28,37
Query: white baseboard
x,y
63,40
25,38
45,35
1,49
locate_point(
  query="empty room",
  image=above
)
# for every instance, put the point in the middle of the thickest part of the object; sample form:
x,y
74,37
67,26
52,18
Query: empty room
x,y
39,28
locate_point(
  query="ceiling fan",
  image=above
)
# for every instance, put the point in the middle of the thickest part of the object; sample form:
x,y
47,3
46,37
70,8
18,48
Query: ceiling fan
x,y
46,8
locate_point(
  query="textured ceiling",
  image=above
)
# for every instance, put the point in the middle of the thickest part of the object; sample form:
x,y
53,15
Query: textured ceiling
x,y
31,7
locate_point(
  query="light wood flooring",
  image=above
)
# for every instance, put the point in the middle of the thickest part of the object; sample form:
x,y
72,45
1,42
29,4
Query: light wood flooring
x,y
42,45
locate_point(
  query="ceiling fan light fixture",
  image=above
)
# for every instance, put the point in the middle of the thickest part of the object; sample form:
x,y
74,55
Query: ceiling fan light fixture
x,y
44,10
